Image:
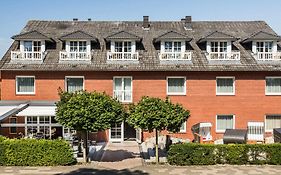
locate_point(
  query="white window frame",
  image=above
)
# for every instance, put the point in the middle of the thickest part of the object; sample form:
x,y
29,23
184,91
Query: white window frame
x,y
183,130
133,46
228,46
43,45
183,47
271,93
222,131
226,93
123,77
66,77
265,124
88,45
25,93
175,93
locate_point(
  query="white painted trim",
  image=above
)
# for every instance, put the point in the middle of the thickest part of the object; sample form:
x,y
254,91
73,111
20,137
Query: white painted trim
x,y
222,131
271,93
133,45
66,77
43,45
25,93
122,77
175,93
122,135
228,93
162,46
184,130
265,125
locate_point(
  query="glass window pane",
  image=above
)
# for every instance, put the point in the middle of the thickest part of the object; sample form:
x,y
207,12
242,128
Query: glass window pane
x,y
225,85
25,84
177,46
168,46
118,46
224,122
273,85
273,121
74,84
27,46
176,85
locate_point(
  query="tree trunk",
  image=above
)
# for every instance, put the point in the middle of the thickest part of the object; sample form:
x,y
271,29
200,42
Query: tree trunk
x,y
85,145
156,147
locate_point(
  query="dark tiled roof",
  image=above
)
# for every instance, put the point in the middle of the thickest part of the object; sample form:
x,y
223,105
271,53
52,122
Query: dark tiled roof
x,y
123,35
216,35
31,35
148,52
172,35
261,35
78,35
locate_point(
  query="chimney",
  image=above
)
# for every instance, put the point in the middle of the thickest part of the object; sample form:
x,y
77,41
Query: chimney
x,y
89,19
145,23
188,21
75,19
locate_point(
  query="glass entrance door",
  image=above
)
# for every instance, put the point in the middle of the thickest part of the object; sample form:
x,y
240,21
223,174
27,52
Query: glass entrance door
x,y
116,133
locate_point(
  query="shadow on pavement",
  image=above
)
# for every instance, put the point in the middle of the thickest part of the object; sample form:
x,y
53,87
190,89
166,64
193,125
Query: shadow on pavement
x,y
86,171
118,155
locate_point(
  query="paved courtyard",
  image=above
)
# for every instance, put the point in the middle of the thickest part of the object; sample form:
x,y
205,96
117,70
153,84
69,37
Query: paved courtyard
x,y
94,169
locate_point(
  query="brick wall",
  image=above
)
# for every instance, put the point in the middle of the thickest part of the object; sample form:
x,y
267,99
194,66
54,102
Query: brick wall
x,y
248,104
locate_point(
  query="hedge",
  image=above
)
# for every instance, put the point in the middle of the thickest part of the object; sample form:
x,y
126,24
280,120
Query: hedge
x,y
32,152
238,154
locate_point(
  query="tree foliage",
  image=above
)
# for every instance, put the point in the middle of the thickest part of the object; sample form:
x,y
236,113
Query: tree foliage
x,y
154,113
88,111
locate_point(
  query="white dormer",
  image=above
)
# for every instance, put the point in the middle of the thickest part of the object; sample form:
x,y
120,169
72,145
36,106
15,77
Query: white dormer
x,y
219,46
173,46
32,46
77,46
122,46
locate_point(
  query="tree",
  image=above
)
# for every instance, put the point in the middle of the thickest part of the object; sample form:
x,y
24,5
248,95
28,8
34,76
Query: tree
x,y
157,114
88,111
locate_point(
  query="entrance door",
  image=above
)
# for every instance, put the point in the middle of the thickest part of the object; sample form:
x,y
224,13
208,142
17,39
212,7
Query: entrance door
x,y
116,133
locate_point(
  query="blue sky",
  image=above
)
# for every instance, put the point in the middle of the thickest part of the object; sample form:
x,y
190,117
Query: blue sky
x,y
15,13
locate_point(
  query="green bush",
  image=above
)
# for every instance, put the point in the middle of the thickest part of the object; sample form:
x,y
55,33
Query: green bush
x,y
238,154
31,152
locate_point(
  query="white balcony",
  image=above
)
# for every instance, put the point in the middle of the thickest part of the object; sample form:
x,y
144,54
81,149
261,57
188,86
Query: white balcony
x,y
235,55
75,56
122,56
268,56
175,56
29,56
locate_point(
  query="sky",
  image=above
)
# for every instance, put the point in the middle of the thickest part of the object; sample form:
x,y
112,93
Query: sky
x,y
14,14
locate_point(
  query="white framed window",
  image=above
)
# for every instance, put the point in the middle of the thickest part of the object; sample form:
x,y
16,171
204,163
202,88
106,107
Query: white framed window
x,y
271,122
218,46
172,46
183,127
78,46
176,85
122,89
32,46
123,46
25,85
264,46
74,83
225,85
224,122
273,86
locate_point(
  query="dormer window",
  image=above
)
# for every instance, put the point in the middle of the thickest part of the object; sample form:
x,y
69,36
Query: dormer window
x,y
173,46
32,46
122,46
264,46
219,46
77,46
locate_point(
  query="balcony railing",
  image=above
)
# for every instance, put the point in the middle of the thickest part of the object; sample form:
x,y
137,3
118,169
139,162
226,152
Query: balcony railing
x,y
122,56
175,55
18,55
224,55
268,56
75,56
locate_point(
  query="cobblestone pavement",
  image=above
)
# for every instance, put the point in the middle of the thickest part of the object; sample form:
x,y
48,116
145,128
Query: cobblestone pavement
x,y
94,169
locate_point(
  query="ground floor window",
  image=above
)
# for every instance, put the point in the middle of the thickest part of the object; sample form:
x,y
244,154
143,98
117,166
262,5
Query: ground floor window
x,y
183,127
272,121
224,122
13,130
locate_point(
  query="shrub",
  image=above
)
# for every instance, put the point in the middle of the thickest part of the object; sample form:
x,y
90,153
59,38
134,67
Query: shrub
x,y
31,152
204,154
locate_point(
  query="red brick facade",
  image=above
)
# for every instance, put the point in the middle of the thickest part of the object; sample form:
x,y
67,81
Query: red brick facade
x,y
248,104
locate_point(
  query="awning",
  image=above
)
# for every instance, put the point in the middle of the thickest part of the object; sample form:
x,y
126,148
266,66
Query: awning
x,y
9,110
38,111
